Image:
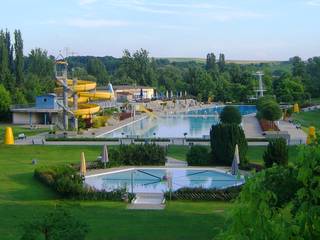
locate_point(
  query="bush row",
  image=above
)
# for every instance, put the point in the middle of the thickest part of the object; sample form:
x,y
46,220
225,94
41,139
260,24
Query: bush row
x,y
66,181
203,194
137,155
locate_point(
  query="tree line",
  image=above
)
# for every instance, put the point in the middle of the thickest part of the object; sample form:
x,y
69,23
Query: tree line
x,y
22,78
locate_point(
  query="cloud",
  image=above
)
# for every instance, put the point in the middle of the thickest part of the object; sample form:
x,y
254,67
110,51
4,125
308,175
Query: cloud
x,y
95,23
193,9
86,2
314,3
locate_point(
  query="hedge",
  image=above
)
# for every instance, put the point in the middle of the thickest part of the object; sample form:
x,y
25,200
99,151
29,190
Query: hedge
x,y
204,194
66,181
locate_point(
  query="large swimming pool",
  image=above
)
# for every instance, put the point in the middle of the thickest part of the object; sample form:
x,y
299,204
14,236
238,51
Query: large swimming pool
x,y
162,179
195,123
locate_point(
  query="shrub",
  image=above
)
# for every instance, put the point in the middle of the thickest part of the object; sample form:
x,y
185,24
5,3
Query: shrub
x,y
98,121
133,154
204,194
66,181
223,138
198,156
230,114
276,152
271,111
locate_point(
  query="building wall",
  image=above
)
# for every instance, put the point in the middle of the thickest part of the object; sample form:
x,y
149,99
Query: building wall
x,y
46,102
26,118
33,118
147,92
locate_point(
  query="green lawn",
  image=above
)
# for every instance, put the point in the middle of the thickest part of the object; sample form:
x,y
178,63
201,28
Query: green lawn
x,y
178,152
23,198
307,119
21,129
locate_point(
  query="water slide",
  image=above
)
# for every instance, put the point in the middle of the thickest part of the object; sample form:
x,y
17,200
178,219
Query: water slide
x,y
86,91
142,108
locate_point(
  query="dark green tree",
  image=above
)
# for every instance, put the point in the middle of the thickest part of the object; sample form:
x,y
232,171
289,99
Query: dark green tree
x,y
221,62
5,101
277,152
19,58
98,70
56,225
271,111
223,139
230,114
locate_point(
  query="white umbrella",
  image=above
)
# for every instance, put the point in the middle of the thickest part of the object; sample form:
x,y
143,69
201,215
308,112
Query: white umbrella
x,y
83,167
236,161
105,156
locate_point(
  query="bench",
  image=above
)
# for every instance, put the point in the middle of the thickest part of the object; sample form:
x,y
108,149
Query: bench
x,y
22,136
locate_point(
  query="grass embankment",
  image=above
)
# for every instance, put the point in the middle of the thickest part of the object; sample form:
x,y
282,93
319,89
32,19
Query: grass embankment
x,y
21,129
254,153
22,198
307,119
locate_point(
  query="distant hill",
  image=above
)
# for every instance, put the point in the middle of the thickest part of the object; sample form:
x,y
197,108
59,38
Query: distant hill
x,y
203,60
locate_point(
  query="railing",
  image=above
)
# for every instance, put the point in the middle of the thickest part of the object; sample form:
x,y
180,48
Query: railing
x,y
22,106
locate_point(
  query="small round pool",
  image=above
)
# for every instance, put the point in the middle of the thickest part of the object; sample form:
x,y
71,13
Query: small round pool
x,y
154,180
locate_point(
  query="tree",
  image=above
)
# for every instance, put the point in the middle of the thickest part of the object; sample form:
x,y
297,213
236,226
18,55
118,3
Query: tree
x,y
223,139
56,225
271,111
230,114
298,67
19,59
98,70
279,202
277,152
221,62
5,101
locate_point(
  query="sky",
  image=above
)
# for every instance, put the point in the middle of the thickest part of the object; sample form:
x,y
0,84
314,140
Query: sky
x,y
241,29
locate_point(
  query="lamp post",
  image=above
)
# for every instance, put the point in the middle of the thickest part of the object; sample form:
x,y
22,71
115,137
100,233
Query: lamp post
x,y
185,138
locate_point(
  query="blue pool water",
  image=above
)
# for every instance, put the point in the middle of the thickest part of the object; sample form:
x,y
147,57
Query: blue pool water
x,y
158,180
195,123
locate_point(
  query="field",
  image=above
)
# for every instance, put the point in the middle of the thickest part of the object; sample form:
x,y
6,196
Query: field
x,y
23,198
307,119
17,129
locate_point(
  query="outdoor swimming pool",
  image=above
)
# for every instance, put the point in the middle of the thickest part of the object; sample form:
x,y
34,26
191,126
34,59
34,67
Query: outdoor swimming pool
x,y
195,124
154,180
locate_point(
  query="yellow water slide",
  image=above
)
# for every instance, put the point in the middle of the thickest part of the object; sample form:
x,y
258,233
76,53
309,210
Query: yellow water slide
x,y
86,91
142,108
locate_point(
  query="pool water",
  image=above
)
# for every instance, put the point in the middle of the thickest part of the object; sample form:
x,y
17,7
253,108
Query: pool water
x,y
195,123
161,180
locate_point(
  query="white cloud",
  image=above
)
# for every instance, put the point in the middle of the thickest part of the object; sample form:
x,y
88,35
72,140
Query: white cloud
x,y
86,2
198,9
314,3
95,23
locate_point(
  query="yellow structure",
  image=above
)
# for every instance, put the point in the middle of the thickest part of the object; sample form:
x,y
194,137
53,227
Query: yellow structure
x,y
83,88
137,92
312,135
312,132
83,166
141,108
296,108
8,136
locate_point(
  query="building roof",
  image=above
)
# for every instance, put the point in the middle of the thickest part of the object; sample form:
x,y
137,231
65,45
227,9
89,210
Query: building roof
x,y
48,95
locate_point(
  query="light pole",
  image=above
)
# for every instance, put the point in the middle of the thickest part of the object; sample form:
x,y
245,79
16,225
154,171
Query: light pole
x,y
185,138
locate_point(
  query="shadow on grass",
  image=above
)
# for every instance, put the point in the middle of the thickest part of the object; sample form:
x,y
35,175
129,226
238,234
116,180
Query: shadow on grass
x,y
28,188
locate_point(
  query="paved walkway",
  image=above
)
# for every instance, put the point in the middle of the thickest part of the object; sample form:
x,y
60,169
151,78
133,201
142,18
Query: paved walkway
x,y
297,136
172,162
251,127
